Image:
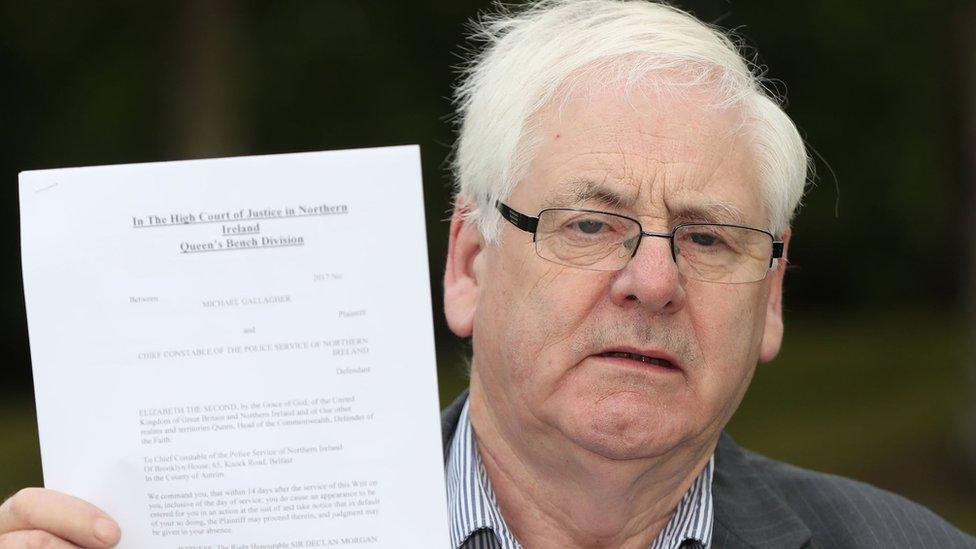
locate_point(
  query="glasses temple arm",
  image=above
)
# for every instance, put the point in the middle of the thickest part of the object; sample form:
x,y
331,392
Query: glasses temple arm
x,y
520,220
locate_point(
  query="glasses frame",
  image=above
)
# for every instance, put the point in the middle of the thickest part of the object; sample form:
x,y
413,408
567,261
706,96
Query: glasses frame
x,y
530,224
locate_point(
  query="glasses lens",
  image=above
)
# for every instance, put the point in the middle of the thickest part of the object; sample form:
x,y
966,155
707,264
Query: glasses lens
x,y
719,253
590,240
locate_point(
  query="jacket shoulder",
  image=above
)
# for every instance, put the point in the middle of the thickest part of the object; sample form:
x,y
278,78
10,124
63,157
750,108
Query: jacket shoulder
x,y
449,420
841,512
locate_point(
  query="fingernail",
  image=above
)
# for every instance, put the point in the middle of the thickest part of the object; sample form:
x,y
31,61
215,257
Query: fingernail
x,y
107,531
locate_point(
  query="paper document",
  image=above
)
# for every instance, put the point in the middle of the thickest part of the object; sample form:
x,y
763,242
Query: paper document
x,y
238,353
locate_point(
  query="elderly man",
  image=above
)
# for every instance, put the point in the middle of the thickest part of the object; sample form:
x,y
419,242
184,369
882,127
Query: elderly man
x,y
617,250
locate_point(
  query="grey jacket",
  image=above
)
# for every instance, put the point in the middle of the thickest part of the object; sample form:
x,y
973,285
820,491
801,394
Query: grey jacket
x,y
762,503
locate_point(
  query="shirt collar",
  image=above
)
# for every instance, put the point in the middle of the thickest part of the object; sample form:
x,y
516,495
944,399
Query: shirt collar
x,y
470,499
474,511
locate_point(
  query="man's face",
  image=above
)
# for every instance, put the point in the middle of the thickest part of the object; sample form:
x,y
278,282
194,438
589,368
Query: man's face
x,y
542,331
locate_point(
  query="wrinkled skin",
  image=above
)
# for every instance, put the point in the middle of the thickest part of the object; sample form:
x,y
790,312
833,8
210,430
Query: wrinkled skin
x,y
541,398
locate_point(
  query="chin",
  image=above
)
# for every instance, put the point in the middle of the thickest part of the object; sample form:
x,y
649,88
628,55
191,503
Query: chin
x,y
627,426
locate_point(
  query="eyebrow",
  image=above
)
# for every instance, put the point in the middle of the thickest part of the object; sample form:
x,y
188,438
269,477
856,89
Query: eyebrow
x,y
581,191
715,212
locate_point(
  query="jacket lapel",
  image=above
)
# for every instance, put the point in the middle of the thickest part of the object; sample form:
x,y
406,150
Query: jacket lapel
x,y
449,421
748,512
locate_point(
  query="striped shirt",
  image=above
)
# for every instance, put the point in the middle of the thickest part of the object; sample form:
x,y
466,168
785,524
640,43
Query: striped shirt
x,y
476,522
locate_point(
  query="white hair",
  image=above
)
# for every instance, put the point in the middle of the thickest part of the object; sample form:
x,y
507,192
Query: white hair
x,y
532,54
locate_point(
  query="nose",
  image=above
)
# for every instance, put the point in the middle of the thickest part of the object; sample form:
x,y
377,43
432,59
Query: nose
x,y
651,279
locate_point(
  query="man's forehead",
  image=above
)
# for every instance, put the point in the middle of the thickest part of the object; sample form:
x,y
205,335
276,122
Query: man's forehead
x,y
690,114
644,153
686,205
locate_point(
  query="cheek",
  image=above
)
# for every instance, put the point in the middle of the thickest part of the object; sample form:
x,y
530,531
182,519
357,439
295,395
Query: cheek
x,y
728,323
548,308
729,316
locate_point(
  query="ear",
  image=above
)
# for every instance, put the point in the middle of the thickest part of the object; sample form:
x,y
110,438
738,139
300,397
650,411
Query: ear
x,y
773,331
461,290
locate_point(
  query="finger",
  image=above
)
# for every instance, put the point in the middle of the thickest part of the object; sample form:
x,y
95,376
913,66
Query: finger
x,y
67,517
33,538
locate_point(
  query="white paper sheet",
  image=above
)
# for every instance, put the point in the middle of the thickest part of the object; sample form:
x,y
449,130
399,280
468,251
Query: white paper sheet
x,y
239,352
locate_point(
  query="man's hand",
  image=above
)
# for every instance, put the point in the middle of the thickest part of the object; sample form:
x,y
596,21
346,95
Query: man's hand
x,y
37,517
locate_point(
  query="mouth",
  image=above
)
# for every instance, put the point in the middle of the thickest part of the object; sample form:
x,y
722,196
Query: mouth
x,y
642,359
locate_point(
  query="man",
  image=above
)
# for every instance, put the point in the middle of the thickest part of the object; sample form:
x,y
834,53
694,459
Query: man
x,y
617,251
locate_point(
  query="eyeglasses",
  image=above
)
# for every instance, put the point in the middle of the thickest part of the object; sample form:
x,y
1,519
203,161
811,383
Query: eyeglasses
x,y
603,241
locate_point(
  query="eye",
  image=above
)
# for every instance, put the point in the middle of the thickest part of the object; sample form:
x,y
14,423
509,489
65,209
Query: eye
x,y
704,239
589,226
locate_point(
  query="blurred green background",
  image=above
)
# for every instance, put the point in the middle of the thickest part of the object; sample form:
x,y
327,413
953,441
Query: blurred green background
x,y
877,379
